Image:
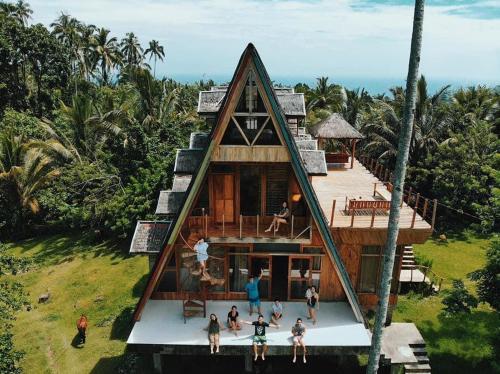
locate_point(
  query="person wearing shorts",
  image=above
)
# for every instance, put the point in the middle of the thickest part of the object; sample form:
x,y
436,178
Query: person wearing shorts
x,y
201,248
277,313
259,336
232,320
298,332
213,329
252,289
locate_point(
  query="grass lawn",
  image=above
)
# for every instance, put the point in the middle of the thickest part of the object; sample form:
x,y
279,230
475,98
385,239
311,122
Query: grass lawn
x,y
82,277
459,344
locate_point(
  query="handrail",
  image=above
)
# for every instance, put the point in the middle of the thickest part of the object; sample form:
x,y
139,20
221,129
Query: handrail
x,y
428,271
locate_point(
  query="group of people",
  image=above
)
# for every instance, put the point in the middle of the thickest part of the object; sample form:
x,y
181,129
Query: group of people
x,y
234,323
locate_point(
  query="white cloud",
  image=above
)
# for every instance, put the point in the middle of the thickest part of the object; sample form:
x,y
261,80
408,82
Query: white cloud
x,y
296,37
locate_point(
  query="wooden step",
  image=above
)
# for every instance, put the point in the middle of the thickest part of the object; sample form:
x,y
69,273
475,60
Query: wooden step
x,y
423,359
417,345
419,351
417,368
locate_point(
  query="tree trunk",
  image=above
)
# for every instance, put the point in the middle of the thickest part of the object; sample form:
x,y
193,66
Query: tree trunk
x,y
154,70
397,193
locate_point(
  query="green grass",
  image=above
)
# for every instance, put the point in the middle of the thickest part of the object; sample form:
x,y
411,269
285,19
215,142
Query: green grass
x,y
82,277
459,344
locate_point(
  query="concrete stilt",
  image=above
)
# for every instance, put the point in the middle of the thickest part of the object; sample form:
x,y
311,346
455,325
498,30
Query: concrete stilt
x,y
248,363
157,363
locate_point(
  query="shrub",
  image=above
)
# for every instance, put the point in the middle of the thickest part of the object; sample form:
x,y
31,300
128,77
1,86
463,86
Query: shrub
x,y
458,299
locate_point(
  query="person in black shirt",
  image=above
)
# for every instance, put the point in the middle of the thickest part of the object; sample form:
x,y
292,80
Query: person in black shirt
x,y
260,335
232,320
281,217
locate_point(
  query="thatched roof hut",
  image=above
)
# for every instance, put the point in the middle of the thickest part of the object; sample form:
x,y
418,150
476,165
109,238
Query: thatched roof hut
x,y
335,127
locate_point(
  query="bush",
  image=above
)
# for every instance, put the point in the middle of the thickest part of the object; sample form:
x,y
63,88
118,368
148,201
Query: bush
x,y
458,299
423,260
488,278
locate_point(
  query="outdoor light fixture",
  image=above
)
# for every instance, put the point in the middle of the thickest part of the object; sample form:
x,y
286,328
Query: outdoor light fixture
x,y
296,197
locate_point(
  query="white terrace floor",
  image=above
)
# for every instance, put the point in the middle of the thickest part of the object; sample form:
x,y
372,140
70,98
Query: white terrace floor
x,y
162,323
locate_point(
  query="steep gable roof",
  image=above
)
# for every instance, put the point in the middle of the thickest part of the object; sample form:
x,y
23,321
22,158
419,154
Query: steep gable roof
x,y
248,58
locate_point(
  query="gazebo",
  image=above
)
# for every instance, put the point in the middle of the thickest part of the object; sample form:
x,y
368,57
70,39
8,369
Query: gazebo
x,y
336,127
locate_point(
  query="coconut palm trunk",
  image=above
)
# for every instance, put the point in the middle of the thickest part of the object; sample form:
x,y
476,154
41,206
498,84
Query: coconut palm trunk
x,y
397,193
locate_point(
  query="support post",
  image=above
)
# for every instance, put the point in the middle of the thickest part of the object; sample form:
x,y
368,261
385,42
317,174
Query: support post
x,y
241,225
223,226
291,232
415,210
373,217
333,212
353,151
206,225
434,208
374,188
352,217
257,225
157,363
425,208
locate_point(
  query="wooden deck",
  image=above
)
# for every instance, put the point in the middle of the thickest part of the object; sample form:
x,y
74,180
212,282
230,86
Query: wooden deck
x,y
358,183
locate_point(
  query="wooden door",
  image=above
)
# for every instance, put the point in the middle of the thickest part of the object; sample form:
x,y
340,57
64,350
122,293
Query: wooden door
x,y
299,276
224,197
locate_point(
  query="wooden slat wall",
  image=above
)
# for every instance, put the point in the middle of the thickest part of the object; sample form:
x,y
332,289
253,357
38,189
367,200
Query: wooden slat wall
x,y
330,287
235,153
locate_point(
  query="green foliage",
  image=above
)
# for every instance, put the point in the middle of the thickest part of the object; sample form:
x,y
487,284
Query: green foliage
x,y
458,299
423,260
488,278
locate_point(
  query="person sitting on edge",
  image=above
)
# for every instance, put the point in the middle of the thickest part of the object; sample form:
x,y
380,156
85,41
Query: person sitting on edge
x,y
252,289
298,332
232,320
281,217
260,335
201,248
213,329
277,311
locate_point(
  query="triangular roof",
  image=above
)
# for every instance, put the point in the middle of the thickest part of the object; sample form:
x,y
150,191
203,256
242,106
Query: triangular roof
x,y
248,58
335,127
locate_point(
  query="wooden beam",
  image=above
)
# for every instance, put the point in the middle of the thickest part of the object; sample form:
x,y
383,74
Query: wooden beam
x,y
434,208
333,212
352,154
373,217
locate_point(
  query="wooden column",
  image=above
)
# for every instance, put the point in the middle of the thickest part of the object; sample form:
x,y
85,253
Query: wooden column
x,y
352,153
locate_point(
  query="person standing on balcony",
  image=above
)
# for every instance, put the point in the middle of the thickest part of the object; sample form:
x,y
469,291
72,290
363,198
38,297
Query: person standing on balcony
x,y
281,217
260,335
298,332
312,297
252,289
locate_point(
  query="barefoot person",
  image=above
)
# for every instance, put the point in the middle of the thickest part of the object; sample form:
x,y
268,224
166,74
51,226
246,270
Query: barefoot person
x,y
252,289
281,217
201,248
298,332
277,313
260,335
232,320
82,325
312,297
214,328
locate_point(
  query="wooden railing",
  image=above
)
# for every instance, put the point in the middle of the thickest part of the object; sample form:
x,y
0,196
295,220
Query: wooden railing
x,y
248,226
434,281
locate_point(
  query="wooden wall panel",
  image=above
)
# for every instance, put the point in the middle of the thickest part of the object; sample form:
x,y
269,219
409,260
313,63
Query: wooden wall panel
x,y
330,286
370,300
230,153
374,236
351,257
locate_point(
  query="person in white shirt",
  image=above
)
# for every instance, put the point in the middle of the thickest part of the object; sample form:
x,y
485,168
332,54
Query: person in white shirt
x,y
277,313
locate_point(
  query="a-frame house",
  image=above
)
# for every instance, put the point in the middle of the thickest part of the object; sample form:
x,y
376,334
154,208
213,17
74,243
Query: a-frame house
x,y
228,185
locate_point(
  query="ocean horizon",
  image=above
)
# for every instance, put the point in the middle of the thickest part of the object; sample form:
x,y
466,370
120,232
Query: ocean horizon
x,y
374,86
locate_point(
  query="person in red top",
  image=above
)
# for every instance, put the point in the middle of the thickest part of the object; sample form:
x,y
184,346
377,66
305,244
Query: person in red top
x,y
82,324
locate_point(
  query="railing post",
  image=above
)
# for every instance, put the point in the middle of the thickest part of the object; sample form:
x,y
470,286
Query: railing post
x,y
203,221
434,208
411,274
206,225
257,225
291,231
373,217
223,226
241,225
333,212
352,217
425,208
415,211
374,188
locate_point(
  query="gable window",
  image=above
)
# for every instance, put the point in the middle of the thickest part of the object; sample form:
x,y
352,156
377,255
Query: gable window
x,y
251,123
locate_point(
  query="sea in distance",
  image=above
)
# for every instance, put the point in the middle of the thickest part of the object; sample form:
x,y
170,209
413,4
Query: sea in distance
x,y
372,85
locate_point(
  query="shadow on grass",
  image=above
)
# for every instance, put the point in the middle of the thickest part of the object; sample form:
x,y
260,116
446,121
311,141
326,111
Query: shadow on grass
x,y
75,343
57,249
462,344
122,325
125,363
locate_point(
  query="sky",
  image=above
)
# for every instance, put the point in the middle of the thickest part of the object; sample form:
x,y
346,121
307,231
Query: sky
x,y
344,39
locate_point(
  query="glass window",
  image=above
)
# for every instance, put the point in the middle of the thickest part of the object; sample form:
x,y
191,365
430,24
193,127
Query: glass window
x,y
276,188
298,289
217,268
300,268
168,282
369,271
268,136
188,265
250,190
238,272
233,136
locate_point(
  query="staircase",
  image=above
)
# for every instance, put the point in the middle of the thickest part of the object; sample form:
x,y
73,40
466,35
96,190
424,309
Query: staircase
x,y
408,258
422,365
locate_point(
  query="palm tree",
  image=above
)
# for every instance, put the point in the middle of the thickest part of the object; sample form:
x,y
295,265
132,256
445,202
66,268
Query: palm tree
x,y
155,50
356,102
106,51
397,193
85,53
20,11
326,96
27,167
132,50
